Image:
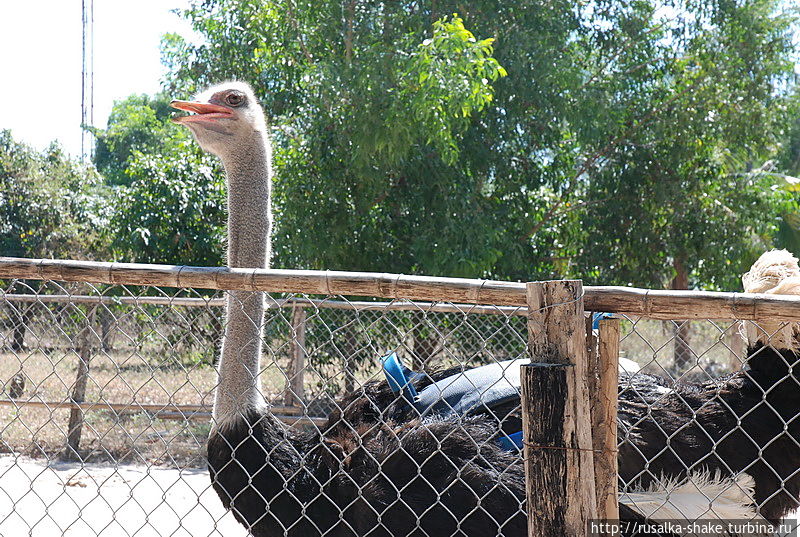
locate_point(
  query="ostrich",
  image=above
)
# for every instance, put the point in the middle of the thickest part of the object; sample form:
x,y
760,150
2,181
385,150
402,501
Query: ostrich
x,y
278,481
745,422
228,122
376,468
742,426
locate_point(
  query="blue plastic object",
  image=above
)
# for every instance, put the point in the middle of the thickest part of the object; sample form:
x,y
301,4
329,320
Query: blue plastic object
x,y
596,319
511,442
397,378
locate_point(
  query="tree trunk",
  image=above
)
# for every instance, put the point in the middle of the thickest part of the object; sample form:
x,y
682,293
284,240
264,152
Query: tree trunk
x,y
84,344
106,321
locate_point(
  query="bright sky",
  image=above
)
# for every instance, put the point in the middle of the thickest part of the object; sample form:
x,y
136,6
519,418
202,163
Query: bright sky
x,y
40,62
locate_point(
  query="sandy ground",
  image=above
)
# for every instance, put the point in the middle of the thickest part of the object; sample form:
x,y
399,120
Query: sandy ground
x,y
48,500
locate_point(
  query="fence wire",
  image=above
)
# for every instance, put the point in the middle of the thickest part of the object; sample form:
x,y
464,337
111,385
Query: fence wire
x,y
107,393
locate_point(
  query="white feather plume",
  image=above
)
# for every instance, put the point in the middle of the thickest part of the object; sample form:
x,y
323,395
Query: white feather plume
x,y
701,496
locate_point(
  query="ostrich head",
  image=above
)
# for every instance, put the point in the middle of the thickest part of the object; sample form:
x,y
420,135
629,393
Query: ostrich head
x,y
221,116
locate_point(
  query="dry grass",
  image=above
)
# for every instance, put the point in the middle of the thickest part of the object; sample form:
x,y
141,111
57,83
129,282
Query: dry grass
x,y
113,377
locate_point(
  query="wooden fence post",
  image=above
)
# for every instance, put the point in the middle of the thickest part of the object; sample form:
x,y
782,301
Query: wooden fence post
x,y
295,391
604,420
556,422
84,349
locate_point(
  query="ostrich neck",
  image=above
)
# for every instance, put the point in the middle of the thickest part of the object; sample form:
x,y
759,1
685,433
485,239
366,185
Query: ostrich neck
x,y
249,226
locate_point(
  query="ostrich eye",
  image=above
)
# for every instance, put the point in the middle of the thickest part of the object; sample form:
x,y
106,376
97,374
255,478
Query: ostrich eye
x,y
234,99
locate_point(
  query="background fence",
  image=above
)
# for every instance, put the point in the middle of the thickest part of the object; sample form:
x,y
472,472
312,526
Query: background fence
x,y
123,376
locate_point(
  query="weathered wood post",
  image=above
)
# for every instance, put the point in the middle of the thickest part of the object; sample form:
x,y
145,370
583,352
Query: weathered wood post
x,y
84,343
556,421
295,391
603,402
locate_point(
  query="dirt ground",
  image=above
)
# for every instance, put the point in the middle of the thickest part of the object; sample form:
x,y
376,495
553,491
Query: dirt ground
x,y
49,500
95,500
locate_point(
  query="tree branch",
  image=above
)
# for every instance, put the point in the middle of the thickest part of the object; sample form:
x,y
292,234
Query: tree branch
x,y
296,28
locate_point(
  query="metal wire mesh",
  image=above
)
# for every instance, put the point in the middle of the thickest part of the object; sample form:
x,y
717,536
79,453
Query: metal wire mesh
x,y
107,392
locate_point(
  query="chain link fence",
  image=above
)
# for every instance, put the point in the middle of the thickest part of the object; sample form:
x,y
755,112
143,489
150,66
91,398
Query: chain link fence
x,y
107,393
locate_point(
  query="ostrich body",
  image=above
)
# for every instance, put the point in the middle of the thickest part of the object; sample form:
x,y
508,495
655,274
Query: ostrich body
x,y
376,468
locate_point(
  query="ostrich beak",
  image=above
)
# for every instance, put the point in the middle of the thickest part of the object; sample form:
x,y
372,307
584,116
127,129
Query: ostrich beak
x,y
202,111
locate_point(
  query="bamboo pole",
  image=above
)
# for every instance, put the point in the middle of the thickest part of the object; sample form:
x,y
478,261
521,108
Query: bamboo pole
x,y
270,280
556,421
679,305
113,300
127,407
604,420
75,426
652,304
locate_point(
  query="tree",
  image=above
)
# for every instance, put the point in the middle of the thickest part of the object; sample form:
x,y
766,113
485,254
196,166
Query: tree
x,y
687,206
50,205
368,147
138,123
172,212
170,196
615,119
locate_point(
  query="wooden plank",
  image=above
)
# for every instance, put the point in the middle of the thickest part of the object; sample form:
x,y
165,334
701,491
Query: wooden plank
x,y
559,467
604,420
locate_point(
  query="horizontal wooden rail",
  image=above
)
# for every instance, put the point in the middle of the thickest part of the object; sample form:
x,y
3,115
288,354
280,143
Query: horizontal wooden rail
x,y
652,304
666,305
270,280
287,414
353,305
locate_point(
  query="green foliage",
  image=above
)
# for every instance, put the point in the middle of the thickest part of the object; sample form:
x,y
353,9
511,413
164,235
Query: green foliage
x,y
617,141
616,148
173,210
447,80
677,193
169,196
138,123
50,205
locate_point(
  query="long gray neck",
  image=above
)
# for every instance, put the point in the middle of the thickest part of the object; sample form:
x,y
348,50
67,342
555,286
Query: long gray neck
x,y
248,171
